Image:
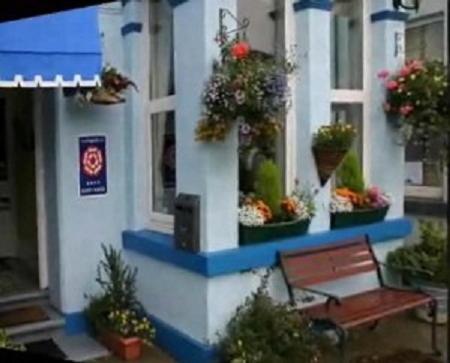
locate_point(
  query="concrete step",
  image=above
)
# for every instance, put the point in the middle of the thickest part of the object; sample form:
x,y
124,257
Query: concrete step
x,y
27,331
29,297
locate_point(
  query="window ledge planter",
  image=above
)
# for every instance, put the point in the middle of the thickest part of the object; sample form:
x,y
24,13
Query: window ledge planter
x,y
249,235
358,217
127,349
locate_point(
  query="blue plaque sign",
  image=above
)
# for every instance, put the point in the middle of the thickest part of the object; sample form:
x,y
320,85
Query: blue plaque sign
x,y
93,170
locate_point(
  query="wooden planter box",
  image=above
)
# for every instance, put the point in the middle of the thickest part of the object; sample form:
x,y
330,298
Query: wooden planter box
x,y
127,349
358,217
267,232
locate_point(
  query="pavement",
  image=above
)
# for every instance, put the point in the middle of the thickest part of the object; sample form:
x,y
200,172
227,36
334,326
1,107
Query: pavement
x,y
403,332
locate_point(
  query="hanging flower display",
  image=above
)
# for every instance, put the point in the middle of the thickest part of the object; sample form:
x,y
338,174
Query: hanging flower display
x,y
330,145
247,88
416,99
112,86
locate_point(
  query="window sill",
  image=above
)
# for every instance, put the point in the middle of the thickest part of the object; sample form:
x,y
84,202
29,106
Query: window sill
x,y
160,246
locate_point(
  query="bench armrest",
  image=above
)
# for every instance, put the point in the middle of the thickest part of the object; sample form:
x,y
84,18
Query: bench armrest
x,y
330,297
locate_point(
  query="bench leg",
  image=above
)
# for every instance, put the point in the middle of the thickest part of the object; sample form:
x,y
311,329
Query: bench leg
x,y
433,312
342,340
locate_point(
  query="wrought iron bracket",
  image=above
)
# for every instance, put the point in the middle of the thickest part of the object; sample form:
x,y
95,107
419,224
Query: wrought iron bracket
x,y
241,25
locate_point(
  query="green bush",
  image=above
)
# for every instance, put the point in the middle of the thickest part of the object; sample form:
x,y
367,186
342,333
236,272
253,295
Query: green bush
x,y
268,186
425,260
350,175
263,331
7,343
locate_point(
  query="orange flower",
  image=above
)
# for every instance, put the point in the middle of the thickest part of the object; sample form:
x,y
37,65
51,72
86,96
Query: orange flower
x,y
288,205
264,209
240,50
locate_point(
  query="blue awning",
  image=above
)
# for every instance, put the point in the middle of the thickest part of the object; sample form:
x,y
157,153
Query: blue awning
x,y
61,49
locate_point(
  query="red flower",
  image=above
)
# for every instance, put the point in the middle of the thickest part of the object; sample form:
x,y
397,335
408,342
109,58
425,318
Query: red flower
x,y
240,50
392,85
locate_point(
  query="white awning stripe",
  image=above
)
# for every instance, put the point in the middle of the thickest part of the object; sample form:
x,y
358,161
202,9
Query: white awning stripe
x,y
59,81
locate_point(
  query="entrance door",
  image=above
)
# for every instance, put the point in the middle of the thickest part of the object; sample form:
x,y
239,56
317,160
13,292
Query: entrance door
x,y
8,235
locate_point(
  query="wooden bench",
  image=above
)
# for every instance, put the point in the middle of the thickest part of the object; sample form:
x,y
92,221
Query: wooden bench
x,y
305,268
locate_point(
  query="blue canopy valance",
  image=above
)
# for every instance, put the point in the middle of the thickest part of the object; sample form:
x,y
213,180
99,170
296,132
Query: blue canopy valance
x,y
61,49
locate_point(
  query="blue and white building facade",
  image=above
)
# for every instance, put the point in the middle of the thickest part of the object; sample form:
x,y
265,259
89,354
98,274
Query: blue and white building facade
x,y
167,48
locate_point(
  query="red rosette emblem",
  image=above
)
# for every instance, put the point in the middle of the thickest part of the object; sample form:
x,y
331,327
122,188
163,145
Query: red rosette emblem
x,y
92,161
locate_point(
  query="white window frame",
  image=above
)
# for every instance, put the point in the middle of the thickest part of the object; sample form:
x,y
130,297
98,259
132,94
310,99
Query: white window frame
x,y
424,191
361,96
159,222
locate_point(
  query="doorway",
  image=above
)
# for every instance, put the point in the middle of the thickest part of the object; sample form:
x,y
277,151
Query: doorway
x,y
19,233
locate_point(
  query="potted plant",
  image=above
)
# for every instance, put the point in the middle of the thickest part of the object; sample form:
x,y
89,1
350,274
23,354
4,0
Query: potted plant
x,y
424,266
116,316
267,214
247,88
416,100
113,83
353,204
330,145
263,331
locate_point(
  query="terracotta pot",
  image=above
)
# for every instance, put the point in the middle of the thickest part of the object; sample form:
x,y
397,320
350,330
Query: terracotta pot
x,y
327,161
101,96
127,349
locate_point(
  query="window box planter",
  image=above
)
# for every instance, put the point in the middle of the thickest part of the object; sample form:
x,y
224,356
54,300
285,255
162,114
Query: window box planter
x,y
358,217
127,349
267,232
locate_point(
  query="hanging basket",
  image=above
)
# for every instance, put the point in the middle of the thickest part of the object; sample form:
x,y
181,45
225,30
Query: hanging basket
x,y
327,161
102,96
271,232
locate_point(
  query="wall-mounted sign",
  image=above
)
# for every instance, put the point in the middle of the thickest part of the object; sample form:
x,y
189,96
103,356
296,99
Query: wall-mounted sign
x,y
399,45
93,170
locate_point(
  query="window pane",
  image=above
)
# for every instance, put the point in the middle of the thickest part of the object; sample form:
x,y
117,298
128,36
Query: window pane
x,y
163,162
347,44
266,34
426,41
162,82
351,114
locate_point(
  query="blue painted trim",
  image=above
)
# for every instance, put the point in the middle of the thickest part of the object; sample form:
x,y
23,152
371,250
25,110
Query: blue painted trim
x,y
389,15
182,347
131,28
301,5
76,323
175,3
161,247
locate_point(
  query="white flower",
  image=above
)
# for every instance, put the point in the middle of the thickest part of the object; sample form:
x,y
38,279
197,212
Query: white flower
x,y
250,216
340,204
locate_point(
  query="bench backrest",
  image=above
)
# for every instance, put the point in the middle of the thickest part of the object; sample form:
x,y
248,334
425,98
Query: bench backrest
x,y
307,267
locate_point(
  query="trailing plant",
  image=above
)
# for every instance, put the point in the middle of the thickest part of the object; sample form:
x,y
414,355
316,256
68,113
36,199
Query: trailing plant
x,y
416,96
425,260
268,186
247,88
263,331
116,308
7,343
349,174
338,136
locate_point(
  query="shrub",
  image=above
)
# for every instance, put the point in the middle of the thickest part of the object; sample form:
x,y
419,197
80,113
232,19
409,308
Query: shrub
x,y
7,343
349,174
426,260
268,186
263,331
116,307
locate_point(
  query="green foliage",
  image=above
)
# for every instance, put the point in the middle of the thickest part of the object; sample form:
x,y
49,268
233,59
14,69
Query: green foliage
x,y
349,174
263,331
7,343
338,136
268,186
426,260
116,307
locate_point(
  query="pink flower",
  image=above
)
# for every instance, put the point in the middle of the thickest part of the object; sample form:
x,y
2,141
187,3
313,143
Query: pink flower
x,y
405,71
392,85
415,65
383,74
406,110
387,107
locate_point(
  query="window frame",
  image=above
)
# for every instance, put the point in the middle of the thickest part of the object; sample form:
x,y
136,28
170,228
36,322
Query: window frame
x,y
424,191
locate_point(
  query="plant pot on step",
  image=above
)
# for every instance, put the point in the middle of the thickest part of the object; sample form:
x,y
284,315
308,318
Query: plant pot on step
x,y
358,217
127,349
249,235
327,161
